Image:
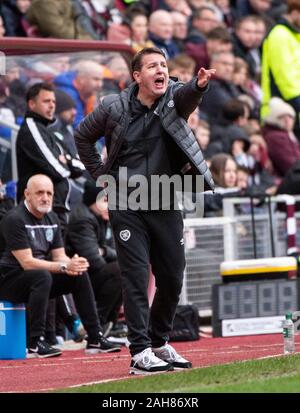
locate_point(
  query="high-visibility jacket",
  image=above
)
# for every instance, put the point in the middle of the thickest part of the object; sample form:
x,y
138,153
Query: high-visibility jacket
x,y
281,66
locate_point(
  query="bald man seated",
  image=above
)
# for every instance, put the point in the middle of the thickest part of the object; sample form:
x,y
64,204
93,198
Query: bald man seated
x,y
30,234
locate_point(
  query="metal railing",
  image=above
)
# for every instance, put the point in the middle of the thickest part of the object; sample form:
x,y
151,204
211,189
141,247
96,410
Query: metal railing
x,y
242,244
205,239
210,241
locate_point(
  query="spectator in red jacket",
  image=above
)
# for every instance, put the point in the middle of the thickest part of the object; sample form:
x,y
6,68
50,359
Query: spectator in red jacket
x,y
283,146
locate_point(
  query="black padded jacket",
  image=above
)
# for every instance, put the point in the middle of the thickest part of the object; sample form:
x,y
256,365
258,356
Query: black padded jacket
x,y
111,119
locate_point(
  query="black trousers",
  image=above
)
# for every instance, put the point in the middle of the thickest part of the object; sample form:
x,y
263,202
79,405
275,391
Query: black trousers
x,y
35,287
145,237
106,282
61,313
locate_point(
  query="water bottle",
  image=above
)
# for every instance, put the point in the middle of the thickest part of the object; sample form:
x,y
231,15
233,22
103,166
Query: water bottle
x,y
288,334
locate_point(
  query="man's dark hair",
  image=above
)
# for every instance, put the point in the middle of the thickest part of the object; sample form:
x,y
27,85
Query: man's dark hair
x,y
248,18
182,60
233,109
132,11
219,33
293,5
197,14
243,168
136,63
34,90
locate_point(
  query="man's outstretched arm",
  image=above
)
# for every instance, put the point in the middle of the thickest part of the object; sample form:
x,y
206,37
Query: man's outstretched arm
x,y
189,96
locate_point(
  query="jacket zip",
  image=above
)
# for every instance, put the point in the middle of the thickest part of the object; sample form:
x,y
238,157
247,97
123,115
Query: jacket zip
x,y
146,145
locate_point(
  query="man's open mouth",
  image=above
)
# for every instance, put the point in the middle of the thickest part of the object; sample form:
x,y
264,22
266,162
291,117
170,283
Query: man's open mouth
x,y
159,81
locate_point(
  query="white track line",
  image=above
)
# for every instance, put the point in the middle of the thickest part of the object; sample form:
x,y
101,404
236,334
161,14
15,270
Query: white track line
x,y
98,359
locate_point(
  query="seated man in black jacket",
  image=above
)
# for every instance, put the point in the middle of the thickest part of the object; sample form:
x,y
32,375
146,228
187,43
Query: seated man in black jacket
x,y
40,150
86,236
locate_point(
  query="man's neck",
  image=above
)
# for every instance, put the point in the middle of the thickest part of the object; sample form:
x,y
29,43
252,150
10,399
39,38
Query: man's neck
x,y
83,96
39,118
36,214
145,100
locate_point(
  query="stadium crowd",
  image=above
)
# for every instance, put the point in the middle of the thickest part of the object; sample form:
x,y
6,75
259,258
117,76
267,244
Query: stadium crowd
x,y
252,108
247,126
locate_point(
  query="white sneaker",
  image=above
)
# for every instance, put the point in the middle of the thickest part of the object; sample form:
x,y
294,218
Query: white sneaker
x,y
168,354
146,362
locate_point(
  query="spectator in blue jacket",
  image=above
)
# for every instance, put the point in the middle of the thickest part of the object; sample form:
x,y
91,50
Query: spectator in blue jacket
x,y
82,84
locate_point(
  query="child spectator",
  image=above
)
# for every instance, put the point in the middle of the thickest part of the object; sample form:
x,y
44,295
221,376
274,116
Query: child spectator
x,y
224,171
202,133
239,143
224,168
242,177
182,67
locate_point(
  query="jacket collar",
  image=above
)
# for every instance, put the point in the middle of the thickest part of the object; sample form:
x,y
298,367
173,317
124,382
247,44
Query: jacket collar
x,y
39,118
289,25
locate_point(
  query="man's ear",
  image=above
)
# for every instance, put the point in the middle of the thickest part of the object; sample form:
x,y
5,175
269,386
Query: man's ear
x,y
30,104
136,76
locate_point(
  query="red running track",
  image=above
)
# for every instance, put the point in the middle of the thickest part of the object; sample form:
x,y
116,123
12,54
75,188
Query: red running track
x,y
76,368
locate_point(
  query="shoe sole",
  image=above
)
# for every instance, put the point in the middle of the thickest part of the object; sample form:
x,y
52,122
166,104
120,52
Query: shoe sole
x,y
35,355
182,368
188,366
135,371
97,351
